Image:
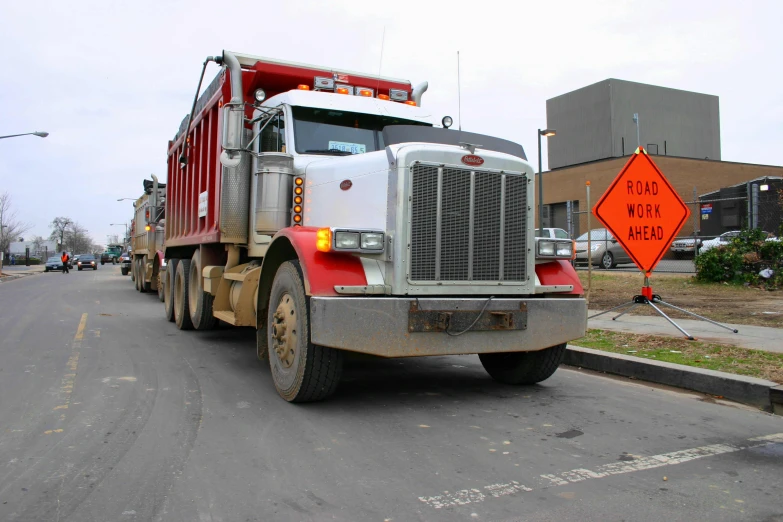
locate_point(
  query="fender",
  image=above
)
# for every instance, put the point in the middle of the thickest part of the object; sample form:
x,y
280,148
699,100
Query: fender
x,y
559,272
322,271
161,258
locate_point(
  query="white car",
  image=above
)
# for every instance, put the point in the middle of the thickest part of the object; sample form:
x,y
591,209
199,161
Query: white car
x,y
553,233
722,240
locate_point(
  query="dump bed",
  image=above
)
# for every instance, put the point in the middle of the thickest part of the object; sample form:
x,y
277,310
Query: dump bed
x,y
206,202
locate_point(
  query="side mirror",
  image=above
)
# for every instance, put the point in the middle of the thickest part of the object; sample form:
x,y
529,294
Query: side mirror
x,y
233,126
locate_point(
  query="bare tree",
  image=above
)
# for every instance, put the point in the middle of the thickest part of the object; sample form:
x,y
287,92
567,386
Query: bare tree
x,y
10,227
59,226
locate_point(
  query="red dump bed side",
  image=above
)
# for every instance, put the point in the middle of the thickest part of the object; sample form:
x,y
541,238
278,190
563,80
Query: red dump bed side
x,y
186,223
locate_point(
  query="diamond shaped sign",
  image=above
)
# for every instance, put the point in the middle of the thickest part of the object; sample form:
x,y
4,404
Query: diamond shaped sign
x,y
642,211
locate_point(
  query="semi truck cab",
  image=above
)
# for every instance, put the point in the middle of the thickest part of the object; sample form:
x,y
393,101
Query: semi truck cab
x,y
345,220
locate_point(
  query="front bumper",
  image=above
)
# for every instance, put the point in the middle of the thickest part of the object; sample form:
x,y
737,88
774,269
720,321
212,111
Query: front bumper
x,y
380,325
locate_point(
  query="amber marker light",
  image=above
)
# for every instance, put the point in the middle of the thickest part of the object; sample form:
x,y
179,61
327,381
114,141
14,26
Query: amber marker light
x,y
323,240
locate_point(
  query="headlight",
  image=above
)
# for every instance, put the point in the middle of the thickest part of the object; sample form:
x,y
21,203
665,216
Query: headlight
x,y
564,249
372,241
331,240
346,240
546,248
554,249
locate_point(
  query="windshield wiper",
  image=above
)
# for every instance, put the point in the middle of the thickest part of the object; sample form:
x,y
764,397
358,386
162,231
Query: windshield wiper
x,y
336,152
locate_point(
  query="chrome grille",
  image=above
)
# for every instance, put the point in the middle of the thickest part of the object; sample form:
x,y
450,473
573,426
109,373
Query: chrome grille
x,y
467,225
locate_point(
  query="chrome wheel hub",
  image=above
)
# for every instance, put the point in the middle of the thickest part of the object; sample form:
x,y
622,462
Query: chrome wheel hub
x,y
284,331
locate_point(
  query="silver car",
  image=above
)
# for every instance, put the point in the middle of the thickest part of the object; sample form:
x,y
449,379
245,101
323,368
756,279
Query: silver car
x,y
606,251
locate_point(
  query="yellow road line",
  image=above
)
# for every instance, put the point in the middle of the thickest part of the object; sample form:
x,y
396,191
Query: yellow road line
x,y
80,331
73,364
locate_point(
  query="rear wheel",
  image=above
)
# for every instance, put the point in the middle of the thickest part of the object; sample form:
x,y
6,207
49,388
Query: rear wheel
x,y
146,286
181,295
160,282
301,371
523,367
168,289
199,301
607,261
123,270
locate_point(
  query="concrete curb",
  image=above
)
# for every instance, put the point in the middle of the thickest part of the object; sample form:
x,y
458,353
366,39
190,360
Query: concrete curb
x,y
14,277
761,393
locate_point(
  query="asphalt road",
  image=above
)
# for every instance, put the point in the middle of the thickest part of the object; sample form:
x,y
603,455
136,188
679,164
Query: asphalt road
x,y
108,412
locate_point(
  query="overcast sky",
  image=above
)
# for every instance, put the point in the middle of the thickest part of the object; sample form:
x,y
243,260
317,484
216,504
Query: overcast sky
x,y
111,81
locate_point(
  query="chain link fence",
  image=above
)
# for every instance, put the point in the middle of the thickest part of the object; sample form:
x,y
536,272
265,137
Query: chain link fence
x,y
715,219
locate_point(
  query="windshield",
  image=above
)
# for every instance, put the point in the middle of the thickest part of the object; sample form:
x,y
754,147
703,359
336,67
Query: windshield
x,y
86,258
327,131
53,260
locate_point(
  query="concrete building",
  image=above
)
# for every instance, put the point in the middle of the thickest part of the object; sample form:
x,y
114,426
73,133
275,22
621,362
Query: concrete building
x,y
596,122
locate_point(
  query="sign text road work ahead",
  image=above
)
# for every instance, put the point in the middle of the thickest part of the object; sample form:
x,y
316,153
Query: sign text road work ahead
x,y
642,211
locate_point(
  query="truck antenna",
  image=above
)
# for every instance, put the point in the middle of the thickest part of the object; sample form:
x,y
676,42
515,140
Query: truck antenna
x,y
383,40
459,96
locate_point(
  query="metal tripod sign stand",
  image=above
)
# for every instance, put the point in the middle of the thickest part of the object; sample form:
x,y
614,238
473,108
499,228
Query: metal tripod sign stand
x,y
644,214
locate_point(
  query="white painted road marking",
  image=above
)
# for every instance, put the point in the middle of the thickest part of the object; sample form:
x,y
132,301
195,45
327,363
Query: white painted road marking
x,y
472,496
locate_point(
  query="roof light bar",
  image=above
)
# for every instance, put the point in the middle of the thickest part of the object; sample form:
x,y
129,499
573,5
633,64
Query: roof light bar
x,y
398,95
324,83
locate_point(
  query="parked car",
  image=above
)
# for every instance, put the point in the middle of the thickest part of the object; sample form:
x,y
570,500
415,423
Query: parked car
x,y
53,263
685,247
722,240
125,263
552,233
87,261
606,251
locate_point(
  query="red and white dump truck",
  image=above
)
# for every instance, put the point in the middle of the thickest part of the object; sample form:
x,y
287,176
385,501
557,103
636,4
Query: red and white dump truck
x,y
325,209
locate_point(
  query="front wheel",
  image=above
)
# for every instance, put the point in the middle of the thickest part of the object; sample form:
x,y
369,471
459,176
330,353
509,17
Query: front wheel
x,y
607,261
301,371
523,367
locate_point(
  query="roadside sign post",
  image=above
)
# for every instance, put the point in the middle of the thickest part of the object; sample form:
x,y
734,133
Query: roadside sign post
x,y
644,214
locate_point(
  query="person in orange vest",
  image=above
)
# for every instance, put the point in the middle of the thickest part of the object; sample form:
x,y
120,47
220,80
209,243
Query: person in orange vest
x,y
65,258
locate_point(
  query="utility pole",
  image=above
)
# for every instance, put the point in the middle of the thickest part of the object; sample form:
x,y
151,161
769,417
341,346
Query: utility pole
x,y
636,121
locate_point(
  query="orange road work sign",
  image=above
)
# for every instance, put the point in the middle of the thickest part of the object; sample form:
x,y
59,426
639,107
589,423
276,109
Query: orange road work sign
x,y
642,211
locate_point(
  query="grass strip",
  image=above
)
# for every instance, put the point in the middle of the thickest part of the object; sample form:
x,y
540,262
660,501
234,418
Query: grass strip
x,y
712,356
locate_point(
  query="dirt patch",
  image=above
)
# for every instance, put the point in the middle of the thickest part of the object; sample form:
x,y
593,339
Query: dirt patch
x,y
718,301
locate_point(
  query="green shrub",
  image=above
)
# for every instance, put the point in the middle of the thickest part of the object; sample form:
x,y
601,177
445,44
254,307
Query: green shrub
x,y
742,260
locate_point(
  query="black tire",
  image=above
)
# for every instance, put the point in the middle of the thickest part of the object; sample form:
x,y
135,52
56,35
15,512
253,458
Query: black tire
x,y
80,269
123,270
160,280
101,261
311,372
607,261
136,279
141,276
523,367
199,301
168,290
95,268
46,270
181,295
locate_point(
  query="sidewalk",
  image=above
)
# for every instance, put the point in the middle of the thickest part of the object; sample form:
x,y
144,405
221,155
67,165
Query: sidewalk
x,y
11,273
754,337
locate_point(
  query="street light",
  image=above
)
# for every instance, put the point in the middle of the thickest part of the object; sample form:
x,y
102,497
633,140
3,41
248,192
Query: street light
x,y
547,133
36,133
